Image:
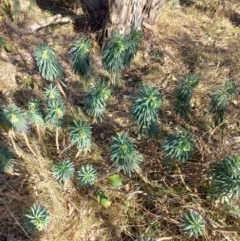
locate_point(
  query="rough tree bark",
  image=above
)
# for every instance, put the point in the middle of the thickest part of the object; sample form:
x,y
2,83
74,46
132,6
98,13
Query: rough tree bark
x,y
121,15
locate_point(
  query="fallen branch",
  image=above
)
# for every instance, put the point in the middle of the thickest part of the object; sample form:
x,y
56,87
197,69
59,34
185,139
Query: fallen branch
x,y
51,20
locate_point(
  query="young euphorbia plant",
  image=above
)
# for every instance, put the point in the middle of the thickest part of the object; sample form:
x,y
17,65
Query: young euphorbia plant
x,y
37,218
95,100
15,122
48,64
133,40
220,100
6,160
225,179
52,93
124,155
63,171
87,175
179,147
81,134
35,115
145,109
113,56
192,224
80,57
183,94
56,111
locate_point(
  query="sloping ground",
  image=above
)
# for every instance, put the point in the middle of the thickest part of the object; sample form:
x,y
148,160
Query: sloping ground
x,y
200,37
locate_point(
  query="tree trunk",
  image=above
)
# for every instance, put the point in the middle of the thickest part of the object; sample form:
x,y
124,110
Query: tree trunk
x,y
121,15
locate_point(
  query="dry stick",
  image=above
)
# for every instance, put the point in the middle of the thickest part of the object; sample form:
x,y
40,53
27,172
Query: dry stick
x,y
182,179
61,89
79,151
39,133
57,143
65,148
28,145
15,218
13,142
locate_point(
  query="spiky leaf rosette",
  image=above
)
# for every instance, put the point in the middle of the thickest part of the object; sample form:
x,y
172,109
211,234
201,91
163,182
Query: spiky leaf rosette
x,y
145,238
52,93
193,224
179,147
37,218
87,175
13,118
124,155
63,171
80,57
220,100
113,55
95,100
133,39
225,177
47,62
6,160
56,111
145,107
183,94
81,134
34,113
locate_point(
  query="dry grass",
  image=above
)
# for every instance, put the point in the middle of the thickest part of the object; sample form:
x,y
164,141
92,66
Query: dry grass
x,y
198,37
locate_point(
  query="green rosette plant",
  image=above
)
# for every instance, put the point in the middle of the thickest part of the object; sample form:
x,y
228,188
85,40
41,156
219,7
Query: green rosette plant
x,y
80,57
87,175
220,100
183,94
37,218
179,147
133,40
113,55
225,179
192,224
14,122
145,109
63,171
35,115
95,100
6,160
52,93
81,134
48,64
56,111
124,155
14,118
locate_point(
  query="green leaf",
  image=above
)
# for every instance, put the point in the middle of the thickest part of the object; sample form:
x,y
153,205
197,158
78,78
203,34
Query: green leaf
x,y
9,47
29,82
115,180
103,198
105,202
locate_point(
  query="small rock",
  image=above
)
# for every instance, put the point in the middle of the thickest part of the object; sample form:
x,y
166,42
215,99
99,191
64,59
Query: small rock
x,y
102,135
